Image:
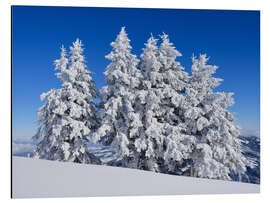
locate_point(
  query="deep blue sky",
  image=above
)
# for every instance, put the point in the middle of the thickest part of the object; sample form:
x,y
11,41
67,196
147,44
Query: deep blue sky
x,y
231,38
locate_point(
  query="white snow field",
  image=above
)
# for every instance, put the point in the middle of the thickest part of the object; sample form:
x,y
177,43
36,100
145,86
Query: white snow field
x,y
33,178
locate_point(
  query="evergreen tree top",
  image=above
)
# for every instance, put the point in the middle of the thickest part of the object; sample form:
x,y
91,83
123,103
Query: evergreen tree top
x,y
76,51
122,42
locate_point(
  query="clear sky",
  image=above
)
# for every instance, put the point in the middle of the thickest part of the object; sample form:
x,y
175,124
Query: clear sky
x,y
230,38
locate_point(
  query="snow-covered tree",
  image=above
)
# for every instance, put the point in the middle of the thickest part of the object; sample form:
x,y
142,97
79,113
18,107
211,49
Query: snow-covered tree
x,y
150,143
162,142
120,123
69,116
217,150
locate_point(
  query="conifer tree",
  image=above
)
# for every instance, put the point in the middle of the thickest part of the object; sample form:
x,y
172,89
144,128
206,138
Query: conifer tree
x,y
120,122
150,143
217,151
163,142
69,116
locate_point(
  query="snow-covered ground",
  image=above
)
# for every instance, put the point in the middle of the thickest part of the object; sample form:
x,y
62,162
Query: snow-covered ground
x,y
42,178
24,147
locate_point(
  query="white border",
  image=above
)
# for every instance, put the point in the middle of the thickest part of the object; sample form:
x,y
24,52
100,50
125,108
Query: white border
x,y
206,4
195,4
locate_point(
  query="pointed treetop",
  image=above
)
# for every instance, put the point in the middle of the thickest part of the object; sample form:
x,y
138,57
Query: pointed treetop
x,y
152,39
151,43
77,43
76,51
203,59
122,35
195,63
123,30
150,57
164,37
122,41
167,47
200,64
63,51
202,72
60,64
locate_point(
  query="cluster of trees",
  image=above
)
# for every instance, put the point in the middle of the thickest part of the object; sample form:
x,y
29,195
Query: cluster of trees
x,y
155,115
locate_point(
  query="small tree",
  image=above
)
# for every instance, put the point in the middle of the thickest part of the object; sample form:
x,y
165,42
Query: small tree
x,y
120,122
217,151
69,115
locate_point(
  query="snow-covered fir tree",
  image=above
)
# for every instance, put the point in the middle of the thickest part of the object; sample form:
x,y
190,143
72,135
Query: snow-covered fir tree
x,y
69,115
149,144
217,150
120,123
162,142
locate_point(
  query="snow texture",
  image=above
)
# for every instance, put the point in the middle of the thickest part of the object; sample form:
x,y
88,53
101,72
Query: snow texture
x,y
34,178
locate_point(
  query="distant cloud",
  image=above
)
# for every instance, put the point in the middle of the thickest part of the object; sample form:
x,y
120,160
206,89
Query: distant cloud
x,y
22,139
21,145
22,148
246,132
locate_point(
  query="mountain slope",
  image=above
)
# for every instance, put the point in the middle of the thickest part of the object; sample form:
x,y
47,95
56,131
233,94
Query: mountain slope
x,y
42,178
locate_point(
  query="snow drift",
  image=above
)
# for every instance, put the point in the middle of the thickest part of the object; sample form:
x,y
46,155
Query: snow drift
x,y
42,178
